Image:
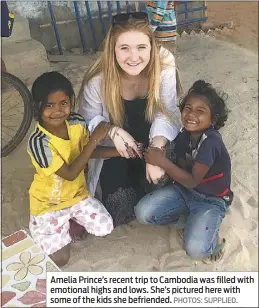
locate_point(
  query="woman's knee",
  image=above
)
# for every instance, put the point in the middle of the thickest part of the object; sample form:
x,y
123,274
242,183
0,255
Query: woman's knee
x,y
61,257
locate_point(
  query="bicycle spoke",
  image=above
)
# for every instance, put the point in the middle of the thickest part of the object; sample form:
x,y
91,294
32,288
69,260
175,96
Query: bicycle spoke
x,y
10,109
11,127
3,139
11,94
17,108
14,114
7,134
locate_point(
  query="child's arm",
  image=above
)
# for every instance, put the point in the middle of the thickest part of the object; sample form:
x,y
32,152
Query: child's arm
x,y
105,152
71,172
156,157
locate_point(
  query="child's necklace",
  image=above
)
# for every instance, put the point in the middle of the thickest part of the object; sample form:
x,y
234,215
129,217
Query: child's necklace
x,y
194,142
191,145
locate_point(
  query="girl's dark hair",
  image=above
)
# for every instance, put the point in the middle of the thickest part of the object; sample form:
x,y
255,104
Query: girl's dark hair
x,y
216,101
46,84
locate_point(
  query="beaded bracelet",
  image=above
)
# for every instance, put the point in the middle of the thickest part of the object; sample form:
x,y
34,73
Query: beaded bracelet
x,y
112,133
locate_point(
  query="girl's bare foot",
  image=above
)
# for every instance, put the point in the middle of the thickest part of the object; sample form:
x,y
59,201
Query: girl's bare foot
x,y
77,232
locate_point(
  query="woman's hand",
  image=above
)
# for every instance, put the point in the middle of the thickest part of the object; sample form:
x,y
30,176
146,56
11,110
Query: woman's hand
x,y
100,132
124,143
153,156
154,173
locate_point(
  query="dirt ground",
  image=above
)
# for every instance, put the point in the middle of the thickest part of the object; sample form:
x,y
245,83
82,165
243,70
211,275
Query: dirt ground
x,y
147,248
244,15
137,247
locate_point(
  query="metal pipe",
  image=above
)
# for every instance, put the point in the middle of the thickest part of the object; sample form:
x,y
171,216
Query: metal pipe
x,y
186,22
127,6
193,10
53,18
186,9
118,7
109,10
80,28
101,17
91,24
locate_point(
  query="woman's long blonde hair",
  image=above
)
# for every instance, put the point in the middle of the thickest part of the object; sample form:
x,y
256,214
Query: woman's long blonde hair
x,y
111,79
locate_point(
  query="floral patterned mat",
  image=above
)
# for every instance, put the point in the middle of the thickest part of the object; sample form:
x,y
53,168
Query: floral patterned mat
x,y
24,269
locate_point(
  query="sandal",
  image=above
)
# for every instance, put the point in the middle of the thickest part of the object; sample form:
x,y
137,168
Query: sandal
x,y
180,233
217,254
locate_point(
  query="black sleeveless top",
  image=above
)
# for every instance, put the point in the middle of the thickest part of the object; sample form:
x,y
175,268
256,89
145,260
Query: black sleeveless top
x,y
135,123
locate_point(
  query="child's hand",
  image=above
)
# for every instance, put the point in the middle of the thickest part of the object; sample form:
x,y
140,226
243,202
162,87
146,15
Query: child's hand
x,y
154,156
100,131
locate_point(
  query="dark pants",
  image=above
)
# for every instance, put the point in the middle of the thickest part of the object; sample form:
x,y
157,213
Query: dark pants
x,y
123,183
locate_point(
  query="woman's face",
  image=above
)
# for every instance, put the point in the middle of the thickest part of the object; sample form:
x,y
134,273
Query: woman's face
x,y
132,51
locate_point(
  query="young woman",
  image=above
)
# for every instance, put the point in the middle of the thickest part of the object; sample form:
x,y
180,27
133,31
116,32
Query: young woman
x,y
133,86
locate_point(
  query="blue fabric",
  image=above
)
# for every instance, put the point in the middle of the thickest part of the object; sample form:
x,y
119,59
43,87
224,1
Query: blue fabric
x,y
160,8
200,216
211,152
6,20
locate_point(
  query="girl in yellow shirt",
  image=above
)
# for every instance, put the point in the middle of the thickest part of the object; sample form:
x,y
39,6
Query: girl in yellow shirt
x,y
60,148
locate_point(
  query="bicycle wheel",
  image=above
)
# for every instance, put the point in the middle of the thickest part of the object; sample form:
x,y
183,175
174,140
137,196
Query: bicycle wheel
x,y
16,112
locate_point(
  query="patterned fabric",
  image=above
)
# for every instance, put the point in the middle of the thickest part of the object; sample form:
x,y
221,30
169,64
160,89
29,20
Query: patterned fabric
x,y
121,205
51,230
118,180
48,153
162,19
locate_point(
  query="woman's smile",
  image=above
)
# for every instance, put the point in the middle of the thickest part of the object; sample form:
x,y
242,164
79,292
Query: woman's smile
x,y
132,52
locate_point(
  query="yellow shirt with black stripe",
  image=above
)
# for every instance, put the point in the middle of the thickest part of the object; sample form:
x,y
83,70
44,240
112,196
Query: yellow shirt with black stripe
x,y
48,191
